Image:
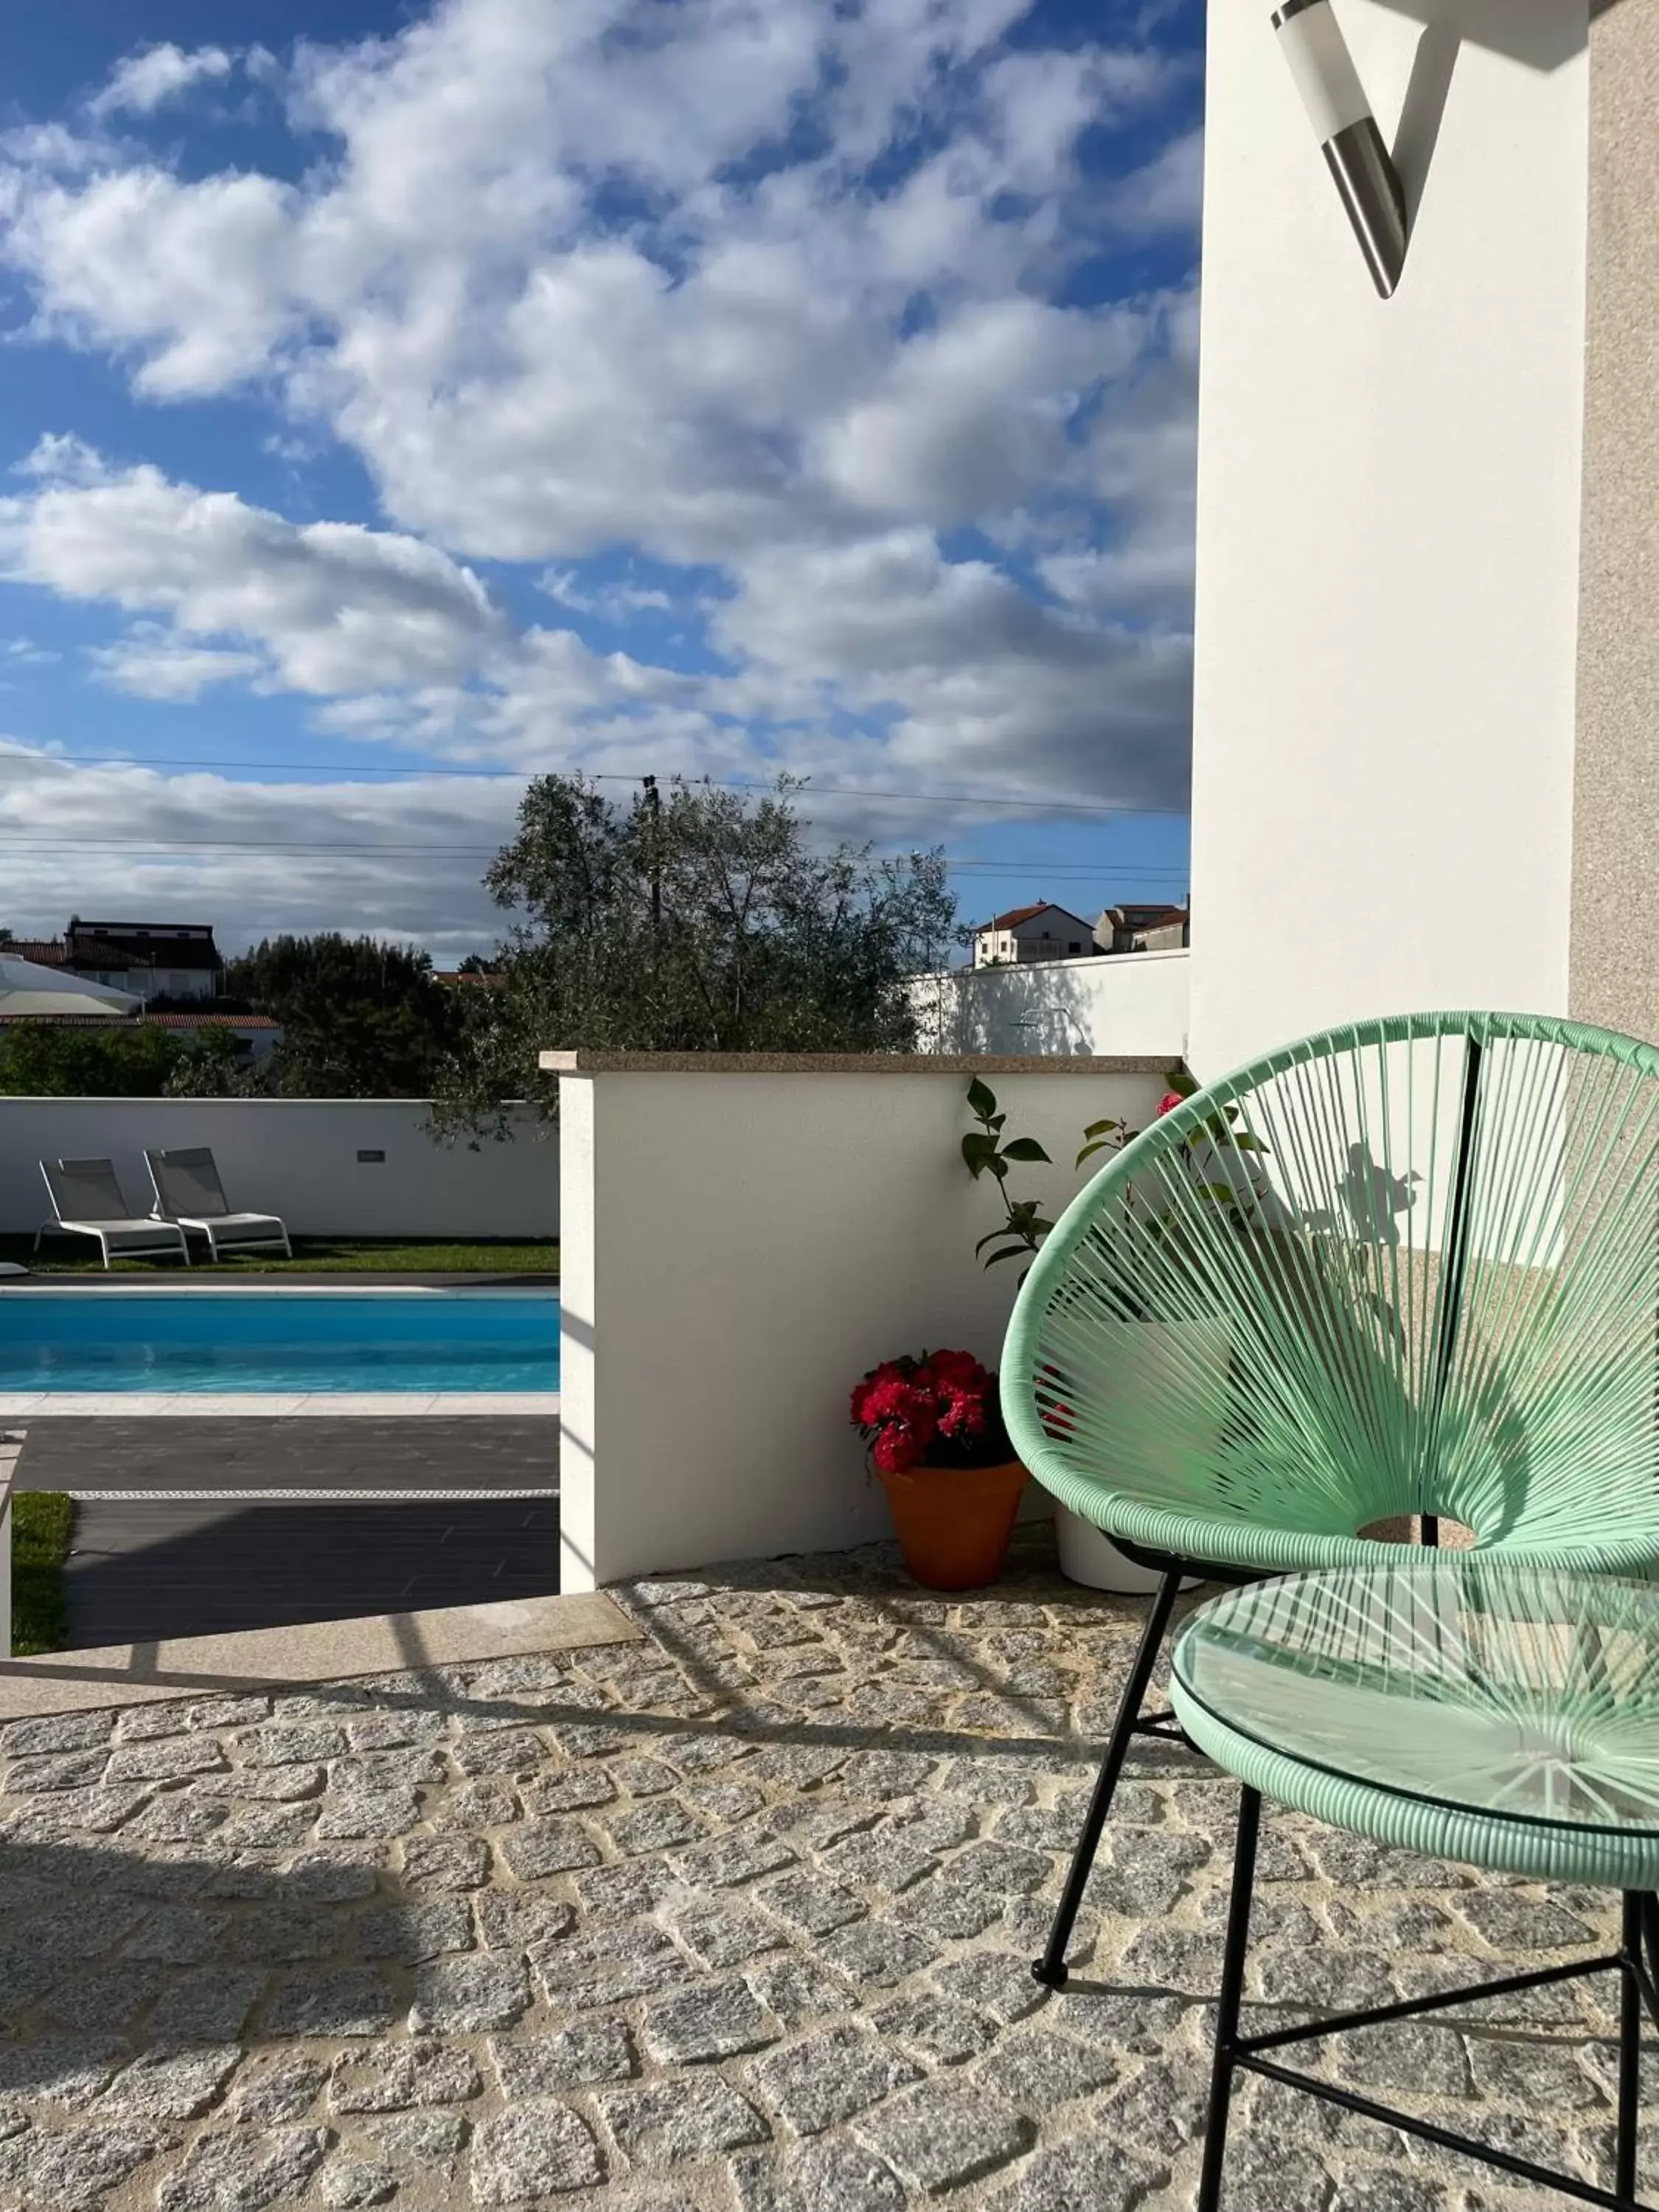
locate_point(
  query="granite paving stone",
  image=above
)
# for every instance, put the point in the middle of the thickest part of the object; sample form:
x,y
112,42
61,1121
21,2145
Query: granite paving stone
x,y
272,2090
941,2134
103,1997
353,2002
467,1996
398,2076
415,1931
739,1920
680,2118
714,2021
542,2065
828,2077
173,2085
823,2176
534,2150
243,2170
349,2182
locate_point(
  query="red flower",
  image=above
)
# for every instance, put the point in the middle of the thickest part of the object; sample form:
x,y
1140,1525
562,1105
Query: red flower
x,y
890,1370
939,1410
1169,1101
963,1416
896,1451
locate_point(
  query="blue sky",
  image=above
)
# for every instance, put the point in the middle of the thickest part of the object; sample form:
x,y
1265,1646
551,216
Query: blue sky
x,y
401,399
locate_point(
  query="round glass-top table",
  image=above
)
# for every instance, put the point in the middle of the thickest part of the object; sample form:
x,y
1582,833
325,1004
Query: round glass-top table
x,y
1457,1704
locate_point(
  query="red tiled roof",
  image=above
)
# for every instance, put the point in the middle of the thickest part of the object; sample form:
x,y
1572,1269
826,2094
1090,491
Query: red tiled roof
x,y
1140,915
45,952
1013,918
214,1021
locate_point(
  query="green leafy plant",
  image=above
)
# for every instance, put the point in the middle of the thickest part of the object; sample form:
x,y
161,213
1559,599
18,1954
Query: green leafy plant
x,y
1024,1226
986,1152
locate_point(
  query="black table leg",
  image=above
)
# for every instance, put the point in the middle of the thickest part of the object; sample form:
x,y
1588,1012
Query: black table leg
x,y
1232,1990
1050,1969
1630,2048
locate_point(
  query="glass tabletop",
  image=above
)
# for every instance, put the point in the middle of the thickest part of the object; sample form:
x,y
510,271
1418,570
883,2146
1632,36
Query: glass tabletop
x,y
1453,1678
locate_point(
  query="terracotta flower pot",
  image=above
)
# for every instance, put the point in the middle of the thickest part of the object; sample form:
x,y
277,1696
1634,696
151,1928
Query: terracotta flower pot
x,y
953,1522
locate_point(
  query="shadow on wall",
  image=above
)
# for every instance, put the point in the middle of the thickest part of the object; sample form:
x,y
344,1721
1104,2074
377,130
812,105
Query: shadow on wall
x,y
1045,1008
1541,35
1424,110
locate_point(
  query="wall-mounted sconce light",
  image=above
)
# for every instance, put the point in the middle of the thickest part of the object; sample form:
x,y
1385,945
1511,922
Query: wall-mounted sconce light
x,y
1312,42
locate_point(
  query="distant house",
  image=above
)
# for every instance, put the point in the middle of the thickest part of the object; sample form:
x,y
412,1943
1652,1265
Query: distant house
x,y
1143,929
152,959
1041,931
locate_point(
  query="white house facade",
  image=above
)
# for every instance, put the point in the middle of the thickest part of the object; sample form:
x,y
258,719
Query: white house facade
x,y
1040,931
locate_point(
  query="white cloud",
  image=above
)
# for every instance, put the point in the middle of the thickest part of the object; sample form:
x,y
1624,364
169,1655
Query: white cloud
x,y
987,689
530,293
972,416
401,858
326,606
195,279
147,81
775,289
614,601
1167,194
149,665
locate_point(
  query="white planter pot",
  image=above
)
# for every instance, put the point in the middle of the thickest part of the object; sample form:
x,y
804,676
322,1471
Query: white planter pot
x,y
1088,1556
1150,1372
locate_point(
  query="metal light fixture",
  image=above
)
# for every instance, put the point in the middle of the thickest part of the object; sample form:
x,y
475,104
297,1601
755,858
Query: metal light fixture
x,y
1311,40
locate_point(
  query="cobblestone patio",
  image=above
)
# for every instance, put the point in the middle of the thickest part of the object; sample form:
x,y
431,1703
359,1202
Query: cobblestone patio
x,y
738,1918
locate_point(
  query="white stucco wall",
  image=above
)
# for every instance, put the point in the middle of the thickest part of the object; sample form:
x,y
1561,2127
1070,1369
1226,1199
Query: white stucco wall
x,y
295,1157
736,1250
1129,1002
1387,533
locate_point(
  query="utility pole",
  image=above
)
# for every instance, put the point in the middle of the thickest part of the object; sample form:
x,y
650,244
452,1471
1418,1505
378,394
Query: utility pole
x,y
653,808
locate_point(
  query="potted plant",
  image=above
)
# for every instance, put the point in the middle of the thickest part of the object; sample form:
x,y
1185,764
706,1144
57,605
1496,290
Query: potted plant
x,y
936,1441
1150,1356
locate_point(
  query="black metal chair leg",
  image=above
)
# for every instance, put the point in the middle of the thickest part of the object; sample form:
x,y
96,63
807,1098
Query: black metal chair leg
x,y
1233,1989
1648,1915
1629,2048
1050,1969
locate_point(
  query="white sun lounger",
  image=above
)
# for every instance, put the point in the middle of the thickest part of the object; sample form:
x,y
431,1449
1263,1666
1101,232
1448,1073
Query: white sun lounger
x,y
188,1191
86,1198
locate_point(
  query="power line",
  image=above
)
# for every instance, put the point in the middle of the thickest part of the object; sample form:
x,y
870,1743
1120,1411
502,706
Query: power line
x,y
976,864
524,775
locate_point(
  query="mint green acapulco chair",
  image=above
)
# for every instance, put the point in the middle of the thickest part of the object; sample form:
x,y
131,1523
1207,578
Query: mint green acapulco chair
x,y
1405,1268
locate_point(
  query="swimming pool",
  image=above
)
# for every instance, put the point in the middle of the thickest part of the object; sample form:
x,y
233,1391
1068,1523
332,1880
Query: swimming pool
x,y
278,1340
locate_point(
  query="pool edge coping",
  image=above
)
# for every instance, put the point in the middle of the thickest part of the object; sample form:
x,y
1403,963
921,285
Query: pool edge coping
x,y
286,1405
143,1286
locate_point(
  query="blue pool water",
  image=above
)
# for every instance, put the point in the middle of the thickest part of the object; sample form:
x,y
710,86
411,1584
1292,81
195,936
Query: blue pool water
x,y
284,1340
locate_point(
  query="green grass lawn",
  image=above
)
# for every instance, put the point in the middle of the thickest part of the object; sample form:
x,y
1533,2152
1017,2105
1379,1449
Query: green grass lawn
x,y
42,1525
342,1255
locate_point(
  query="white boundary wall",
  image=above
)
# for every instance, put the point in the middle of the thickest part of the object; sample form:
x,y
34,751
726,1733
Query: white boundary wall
x,y
738,1248
1117,1003
298,1159
1388,532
